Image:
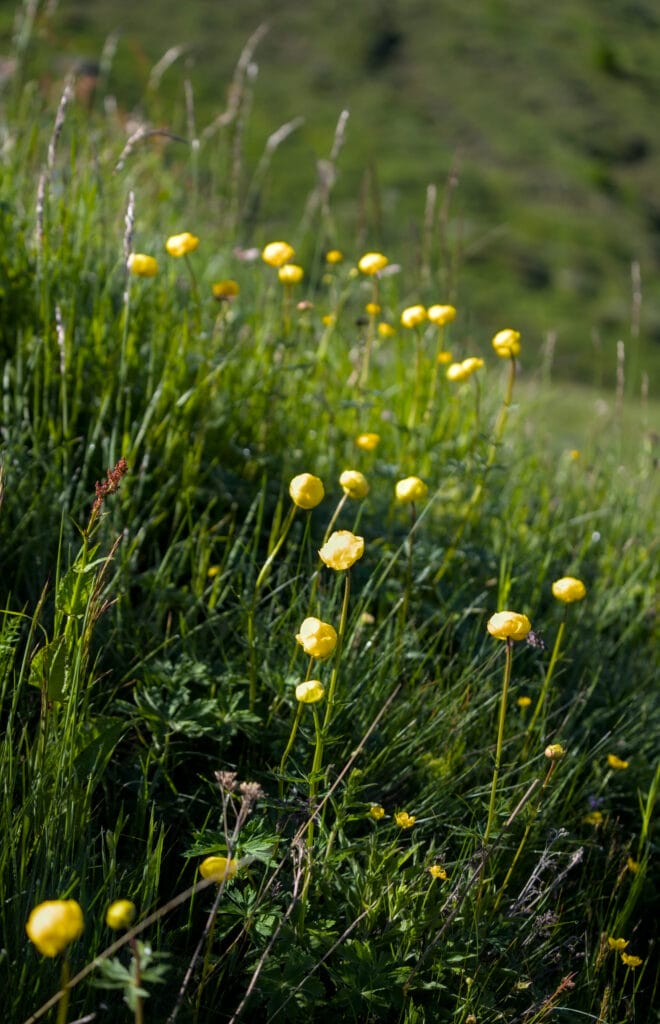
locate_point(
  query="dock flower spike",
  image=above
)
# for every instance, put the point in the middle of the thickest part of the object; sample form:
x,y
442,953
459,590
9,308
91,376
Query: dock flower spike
x,y
53,925
508,626
342,550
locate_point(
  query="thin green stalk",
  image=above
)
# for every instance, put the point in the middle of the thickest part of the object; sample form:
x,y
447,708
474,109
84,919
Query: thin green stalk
x,y
62,1009
500,737
289,747
546,683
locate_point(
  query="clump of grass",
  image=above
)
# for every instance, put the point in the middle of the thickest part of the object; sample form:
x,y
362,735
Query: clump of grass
x,y
412,854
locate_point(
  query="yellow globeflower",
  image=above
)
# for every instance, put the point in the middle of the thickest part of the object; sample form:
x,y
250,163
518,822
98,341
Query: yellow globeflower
x,y
120,914
367,442
413,316
181,245
594,818
334,256
372,308
437,871
306,491
631,961
218,868
54,924
309,692
457,373
376,812
568,589
509,626
507,343
617,944
411,489
441,315
524,702
405,820
317,638
224,291
472,363
616,762
372,262
386,330
291,273
141,265
276,254
554,751
354,483
444,357
342,550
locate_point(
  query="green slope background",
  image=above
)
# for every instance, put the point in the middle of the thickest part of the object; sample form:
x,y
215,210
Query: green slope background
x,y
536,123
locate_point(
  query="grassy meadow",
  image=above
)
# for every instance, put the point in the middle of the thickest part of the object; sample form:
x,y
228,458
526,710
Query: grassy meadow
x,y
281,659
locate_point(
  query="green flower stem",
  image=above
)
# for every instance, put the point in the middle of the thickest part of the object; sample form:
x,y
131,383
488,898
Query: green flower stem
x,y
439,345
289,746
335,516
265,569
500,737
546,683
65,989
479,489
371,334
412,415
338,651
194,289
409,565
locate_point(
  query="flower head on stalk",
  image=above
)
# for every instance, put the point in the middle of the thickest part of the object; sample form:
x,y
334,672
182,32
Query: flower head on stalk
x,y
569,589
411,489
342,550
507,343
219,869
440,315
290,273
306,491
509,626
367,442
181,245
120,914
276,254
372,262
142,265
354,484
317,638
310,692
413,316
54,924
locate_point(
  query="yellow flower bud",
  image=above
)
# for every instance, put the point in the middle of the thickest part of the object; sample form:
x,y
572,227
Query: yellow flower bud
x,y
507,343
141,265
437,871
328,319
385,330
225,290
306,491
405,820
472,363
372,262
54,924
413,316
367,442
616,762
317,638
554,751
334,256
444,358
411,489
568,589
290,273
617,944
457,373
376,812
120,914
509,626
276,254
218,868
354,483
372,308
441,315
524,702
181,245
309,692
631,961
342,550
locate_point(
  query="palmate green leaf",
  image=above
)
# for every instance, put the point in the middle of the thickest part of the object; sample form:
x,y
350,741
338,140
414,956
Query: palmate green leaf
x,y
48,670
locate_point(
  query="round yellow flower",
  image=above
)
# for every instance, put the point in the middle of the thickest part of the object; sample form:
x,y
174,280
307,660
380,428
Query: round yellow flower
x,y
372,262
616,762
444,358
441,315
120,914
218,868
457,373
405,820
411,489
524,702
54,924
413,316
223,291
181,245
317,638
617,944
354,483
507,343
554,751
334,256
342,550
437,871
276,254
386,330
376,812
594,818
141,265
306,491
367,442
631,961
290,273
310,691
472,363
568,589
509,626
372,308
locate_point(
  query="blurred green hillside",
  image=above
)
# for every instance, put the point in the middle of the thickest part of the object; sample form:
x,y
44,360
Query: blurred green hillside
x,y
537,123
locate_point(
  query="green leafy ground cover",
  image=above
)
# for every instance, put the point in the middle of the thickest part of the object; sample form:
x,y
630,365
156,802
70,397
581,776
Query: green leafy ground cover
x,y
149,641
